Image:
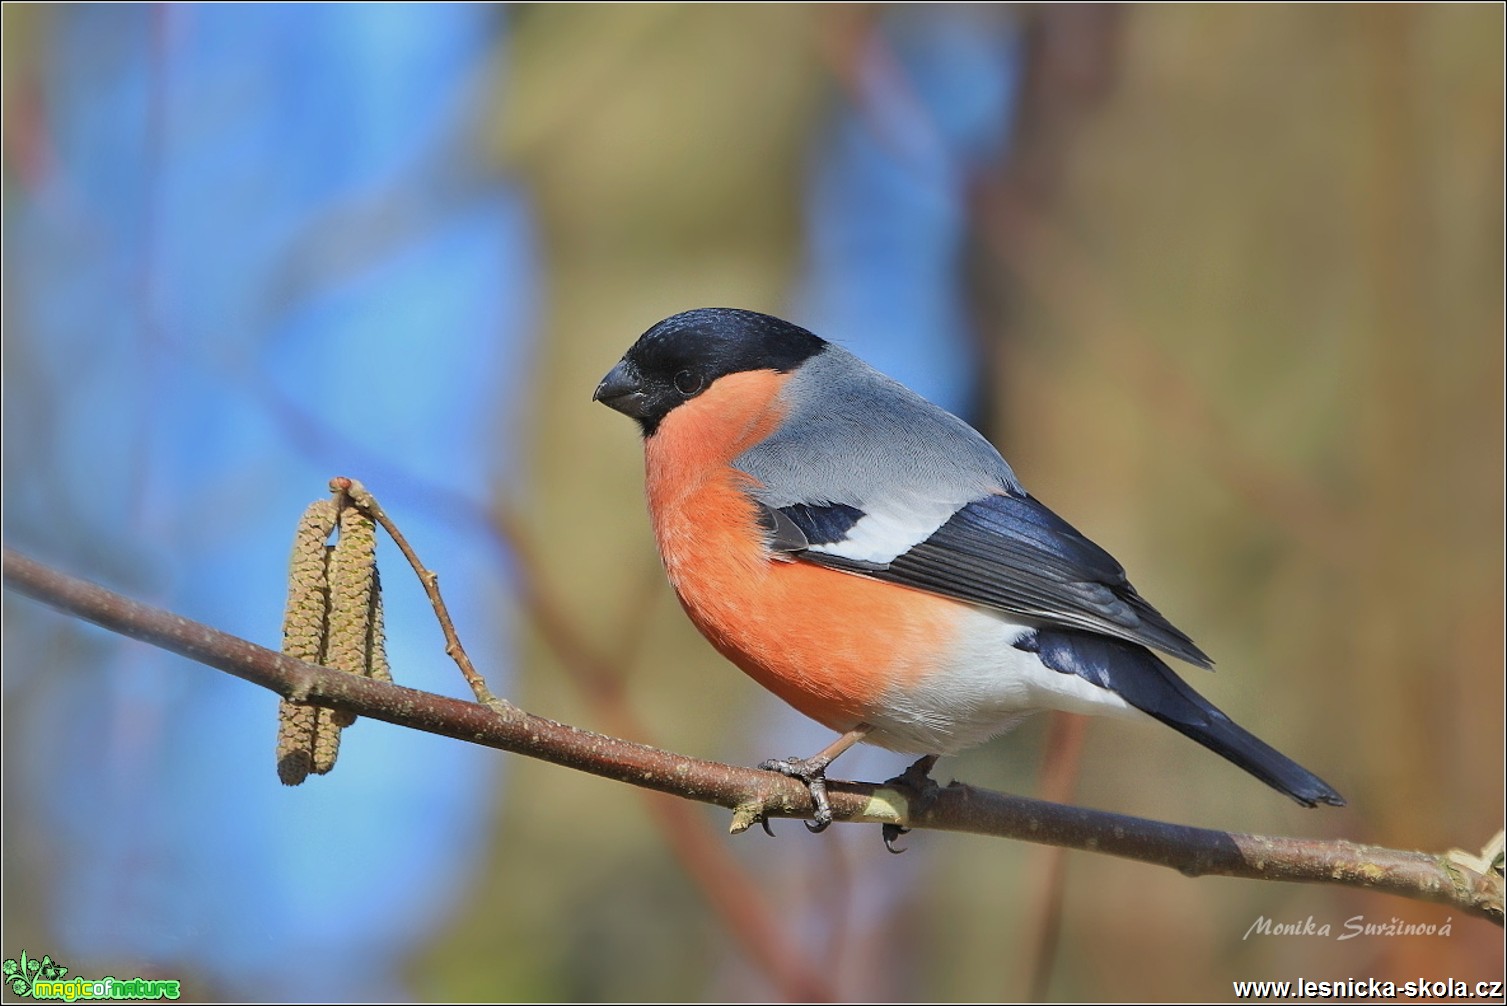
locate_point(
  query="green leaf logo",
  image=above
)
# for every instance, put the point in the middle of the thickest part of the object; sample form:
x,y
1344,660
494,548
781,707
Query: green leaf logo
x,y
22,975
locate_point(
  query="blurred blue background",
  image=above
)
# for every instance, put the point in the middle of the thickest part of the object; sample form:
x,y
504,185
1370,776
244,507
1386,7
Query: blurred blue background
x,y
259,254
248,248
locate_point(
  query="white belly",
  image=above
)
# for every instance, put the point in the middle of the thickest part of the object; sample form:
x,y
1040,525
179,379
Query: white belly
x,y
986,687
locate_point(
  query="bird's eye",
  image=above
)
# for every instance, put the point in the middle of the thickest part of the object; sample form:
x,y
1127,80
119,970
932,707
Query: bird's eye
x,y
687,383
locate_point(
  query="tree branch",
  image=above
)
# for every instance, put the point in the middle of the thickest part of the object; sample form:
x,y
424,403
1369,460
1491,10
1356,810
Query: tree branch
x,y
1451,878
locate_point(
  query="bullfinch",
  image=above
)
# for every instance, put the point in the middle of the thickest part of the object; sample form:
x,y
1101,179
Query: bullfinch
x,y
873,561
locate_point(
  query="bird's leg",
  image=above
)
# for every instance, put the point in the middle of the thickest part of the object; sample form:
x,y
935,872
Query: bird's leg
x,y
918,779
812,772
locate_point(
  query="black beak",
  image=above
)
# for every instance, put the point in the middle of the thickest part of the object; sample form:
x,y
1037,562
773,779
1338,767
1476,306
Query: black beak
x,y
621,390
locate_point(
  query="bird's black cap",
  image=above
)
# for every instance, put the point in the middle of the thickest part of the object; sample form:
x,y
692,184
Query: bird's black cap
x,y
681,356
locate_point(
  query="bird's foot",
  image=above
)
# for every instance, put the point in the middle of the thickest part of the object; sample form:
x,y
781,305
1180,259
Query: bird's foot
x,y
812,772
918,780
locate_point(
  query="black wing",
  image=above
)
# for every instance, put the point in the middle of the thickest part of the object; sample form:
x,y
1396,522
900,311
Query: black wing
x,y
1007,552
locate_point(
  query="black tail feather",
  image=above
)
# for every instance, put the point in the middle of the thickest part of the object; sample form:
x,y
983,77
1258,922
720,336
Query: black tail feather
x,y
1222,735
1142,679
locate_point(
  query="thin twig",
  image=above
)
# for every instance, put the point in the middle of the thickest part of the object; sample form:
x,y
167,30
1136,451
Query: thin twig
x,y
367,503
752,793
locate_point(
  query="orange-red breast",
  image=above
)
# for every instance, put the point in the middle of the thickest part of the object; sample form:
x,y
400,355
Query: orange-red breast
x,y
872,560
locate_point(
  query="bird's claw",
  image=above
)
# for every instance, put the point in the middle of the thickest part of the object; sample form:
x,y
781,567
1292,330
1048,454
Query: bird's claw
x,y
917,778
810,771
891,833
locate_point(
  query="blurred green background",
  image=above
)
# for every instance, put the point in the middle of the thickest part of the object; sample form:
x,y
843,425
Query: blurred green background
x,y
1230,282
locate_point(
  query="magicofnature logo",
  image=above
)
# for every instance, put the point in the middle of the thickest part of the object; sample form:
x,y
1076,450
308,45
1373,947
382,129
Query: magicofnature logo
x,y
44,979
